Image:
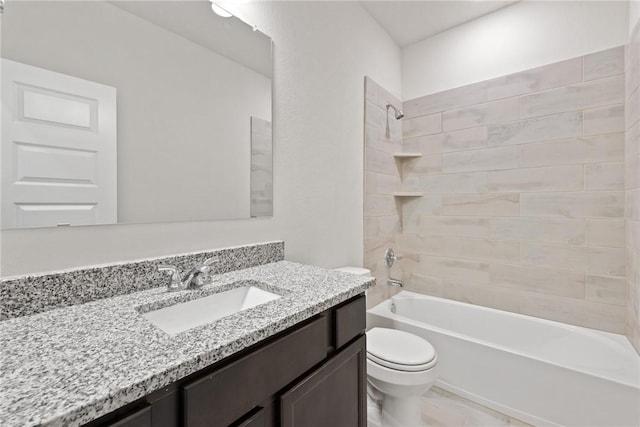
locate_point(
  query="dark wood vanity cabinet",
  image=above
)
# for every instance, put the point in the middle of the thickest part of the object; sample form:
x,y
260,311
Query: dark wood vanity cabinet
x,y
333,395
311,375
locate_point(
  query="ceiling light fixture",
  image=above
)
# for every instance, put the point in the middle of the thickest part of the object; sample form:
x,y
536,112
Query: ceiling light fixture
x,y
220,11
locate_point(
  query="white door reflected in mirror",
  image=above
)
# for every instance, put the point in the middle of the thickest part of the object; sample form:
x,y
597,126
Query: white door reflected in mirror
x,y
58,149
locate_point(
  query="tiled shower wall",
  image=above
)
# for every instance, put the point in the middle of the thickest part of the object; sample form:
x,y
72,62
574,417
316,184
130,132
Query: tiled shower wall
x,y
632,187
382,179
524,192
261,168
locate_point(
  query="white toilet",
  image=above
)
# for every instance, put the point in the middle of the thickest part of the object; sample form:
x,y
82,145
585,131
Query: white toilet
x,y
401,367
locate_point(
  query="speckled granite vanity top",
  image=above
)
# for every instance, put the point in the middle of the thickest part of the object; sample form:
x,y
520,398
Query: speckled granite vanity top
x,y
70,365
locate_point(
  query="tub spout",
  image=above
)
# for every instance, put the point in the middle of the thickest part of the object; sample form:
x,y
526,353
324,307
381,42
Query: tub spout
x,y
395,282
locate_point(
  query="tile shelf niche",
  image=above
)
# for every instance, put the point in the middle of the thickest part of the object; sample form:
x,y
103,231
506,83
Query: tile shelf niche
x,y
408,194
402,156
406,155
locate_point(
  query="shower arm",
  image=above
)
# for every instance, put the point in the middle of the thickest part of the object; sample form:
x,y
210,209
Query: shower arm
x,y
397,113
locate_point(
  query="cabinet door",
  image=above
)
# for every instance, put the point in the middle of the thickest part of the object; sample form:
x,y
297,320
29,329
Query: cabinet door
x,y
333,395
140,418
256,418
217,399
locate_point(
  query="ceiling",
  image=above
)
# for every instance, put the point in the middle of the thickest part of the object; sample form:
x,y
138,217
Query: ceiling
x,y
195,21
410,21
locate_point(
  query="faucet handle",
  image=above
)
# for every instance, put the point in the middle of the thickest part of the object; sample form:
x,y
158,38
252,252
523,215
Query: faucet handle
x,y
205,269
211,261
176,283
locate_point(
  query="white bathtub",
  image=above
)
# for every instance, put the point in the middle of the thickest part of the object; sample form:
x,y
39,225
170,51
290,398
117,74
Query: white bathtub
x,y
539,371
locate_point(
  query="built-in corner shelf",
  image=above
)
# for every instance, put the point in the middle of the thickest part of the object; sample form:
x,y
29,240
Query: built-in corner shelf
x,y
408,194
406,155
402,156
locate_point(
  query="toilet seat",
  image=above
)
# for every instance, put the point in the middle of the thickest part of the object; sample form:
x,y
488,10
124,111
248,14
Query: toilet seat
x,y
399,350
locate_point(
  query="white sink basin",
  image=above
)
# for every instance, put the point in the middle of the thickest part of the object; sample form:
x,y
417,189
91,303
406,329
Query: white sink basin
x,y
187,315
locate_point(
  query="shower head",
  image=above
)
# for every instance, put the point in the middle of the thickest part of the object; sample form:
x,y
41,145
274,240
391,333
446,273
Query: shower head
x,y
398,113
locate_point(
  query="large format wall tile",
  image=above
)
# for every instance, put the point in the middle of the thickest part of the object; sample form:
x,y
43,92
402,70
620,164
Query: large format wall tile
x,y
559,178
381,227
380,205
606,261
606,289
486,159
381,183
632,107
593,149
420,244
632,207
557,126
380,161
481,114
382,177
487,296
632,172
550,230
447,100
605,63
424,165
452,183
609,119
426,144
573,205
481,249
465,139
581,96
423,283
375,138
459,270
589,314
605,232
413,209
455,226
526,186
481,204
604,176
422,125
537,79
543,280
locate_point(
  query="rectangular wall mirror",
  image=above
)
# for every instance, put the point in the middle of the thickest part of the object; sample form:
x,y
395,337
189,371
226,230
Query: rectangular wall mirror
x,y
117,112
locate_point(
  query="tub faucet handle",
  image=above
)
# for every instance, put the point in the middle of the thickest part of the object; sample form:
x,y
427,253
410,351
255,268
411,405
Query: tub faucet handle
x,y
390,257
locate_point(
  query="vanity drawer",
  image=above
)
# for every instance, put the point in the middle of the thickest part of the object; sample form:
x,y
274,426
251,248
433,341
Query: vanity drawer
x,y
350,320
227,394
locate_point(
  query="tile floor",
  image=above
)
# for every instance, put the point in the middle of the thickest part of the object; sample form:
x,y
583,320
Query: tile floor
x,y
443,409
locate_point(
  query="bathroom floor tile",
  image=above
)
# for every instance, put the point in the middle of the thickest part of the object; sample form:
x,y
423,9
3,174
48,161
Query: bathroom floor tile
x,y
443,409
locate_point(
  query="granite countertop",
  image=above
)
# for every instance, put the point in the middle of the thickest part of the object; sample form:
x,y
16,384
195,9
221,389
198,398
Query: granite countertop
x,y
68,366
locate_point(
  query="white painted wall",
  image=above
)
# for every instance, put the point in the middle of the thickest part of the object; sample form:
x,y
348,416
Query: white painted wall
x,y
522,36
634,14
322,53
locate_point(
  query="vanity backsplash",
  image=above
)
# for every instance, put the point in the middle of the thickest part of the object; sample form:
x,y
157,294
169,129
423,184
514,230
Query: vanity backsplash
x,y
31,294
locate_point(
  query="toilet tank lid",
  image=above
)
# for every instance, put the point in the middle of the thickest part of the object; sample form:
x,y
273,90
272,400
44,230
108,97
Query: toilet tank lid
x,y
355,270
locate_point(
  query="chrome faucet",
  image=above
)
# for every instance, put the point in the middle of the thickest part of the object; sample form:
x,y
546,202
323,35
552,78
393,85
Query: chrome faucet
x,y
195,278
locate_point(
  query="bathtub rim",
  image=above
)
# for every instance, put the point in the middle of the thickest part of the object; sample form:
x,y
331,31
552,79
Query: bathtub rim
x,y
384,309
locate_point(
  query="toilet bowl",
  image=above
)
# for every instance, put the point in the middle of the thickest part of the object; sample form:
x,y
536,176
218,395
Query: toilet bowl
x,y
401,367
